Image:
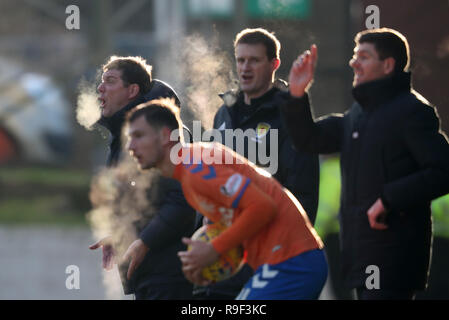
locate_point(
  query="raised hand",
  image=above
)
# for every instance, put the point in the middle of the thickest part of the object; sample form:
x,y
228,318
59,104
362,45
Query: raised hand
x,y
302,72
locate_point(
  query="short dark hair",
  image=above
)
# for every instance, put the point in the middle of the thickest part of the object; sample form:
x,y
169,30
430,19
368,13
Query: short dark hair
x,y
388,43
158,113
260,36
133,69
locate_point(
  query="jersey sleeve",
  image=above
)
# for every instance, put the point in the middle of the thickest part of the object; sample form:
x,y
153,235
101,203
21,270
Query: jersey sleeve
x,y
222,185
231,189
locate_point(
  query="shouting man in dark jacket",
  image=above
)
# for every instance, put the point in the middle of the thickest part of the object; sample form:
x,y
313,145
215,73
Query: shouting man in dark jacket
x,y
394,162
154,271
255,108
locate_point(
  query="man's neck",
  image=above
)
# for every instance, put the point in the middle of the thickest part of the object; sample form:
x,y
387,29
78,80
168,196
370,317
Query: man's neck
x,y
167,169
114,122
167,165
247,97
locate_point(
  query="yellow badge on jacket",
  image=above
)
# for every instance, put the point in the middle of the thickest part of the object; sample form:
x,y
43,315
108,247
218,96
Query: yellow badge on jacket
x,y
262,130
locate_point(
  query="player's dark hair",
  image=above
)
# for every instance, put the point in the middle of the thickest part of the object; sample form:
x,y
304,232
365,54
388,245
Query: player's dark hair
x,y
388,43
260,36
133,69
158,113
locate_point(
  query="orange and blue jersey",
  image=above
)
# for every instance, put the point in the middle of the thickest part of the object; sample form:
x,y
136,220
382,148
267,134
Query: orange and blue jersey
x,y
260,213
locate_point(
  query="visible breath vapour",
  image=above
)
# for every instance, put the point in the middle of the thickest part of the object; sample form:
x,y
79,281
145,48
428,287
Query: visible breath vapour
x,y
207,72
88,107
121,198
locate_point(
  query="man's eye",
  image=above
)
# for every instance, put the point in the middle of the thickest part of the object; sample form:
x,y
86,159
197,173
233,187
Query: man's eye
x,y
359,57
109,80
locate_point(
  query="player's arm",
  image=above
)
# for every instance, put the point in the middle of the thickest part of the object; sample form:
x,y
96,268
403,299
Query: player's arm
x,y
256,208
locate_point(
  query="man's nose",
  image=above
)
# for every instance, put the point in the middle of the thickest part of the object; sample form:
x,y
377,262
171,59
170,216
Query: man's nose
x,y
100,87
353,62
246,65
130,146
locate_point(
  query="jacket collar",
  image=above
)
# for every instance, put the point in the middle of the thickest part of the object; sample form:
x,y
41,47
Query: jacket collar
x,y
372,94
115,122
231,97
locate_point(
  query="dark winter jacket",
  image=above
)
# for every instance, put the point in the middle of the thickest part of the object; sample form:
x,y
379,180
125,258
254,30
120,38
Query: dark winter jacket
x,y
390,148
296,170
161,267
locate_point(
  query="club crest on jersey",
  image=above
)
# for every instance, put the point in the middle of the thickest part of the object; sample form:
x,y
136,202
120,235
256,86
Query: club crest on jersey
x,y
232,185
261,131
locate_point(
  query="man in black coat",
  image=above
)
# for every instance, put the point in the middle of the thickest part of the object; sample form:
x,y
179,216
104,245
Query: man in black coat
x,y
255,107
154,270
394,162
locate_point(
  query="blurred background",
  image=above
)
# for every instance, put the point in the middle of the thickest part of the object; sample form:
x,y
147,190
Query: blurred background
x,y
48,157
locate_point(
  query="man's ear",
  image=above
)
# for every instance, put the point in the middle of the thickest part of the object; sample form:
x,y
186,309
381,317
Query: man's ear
x,y
165,134
133,91
275,64
389,64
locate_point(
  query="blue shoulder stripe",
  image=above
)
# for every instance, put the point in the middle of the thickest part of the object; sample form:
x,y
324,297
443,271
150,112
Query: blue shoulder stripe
x,y
235,203
197,169
211,173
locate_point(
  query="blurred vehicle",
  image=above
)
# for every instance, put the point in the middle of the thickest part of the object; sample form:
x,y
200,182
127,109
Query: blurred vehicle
x,y
35,124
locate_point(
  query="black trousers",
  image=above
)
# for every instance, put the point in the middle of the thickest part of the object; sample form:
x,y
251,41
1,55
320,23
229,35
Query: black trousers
x,y
165,292
384,294
213,296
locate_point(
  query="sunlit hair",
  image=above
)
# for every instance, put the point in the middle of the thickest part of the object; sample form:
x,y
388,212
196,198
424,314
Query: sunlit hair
x,y
158,113
133,70
260,36
388,43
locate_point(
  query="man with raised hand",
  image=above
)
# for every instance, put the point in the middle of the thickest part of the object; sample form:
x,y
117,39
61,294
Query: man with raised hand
x,y
394,162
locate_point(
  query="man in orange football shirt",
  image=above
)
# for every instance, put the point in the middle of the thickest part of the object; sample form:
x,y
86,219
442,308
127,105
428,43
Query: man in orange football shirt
x,y
266,219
